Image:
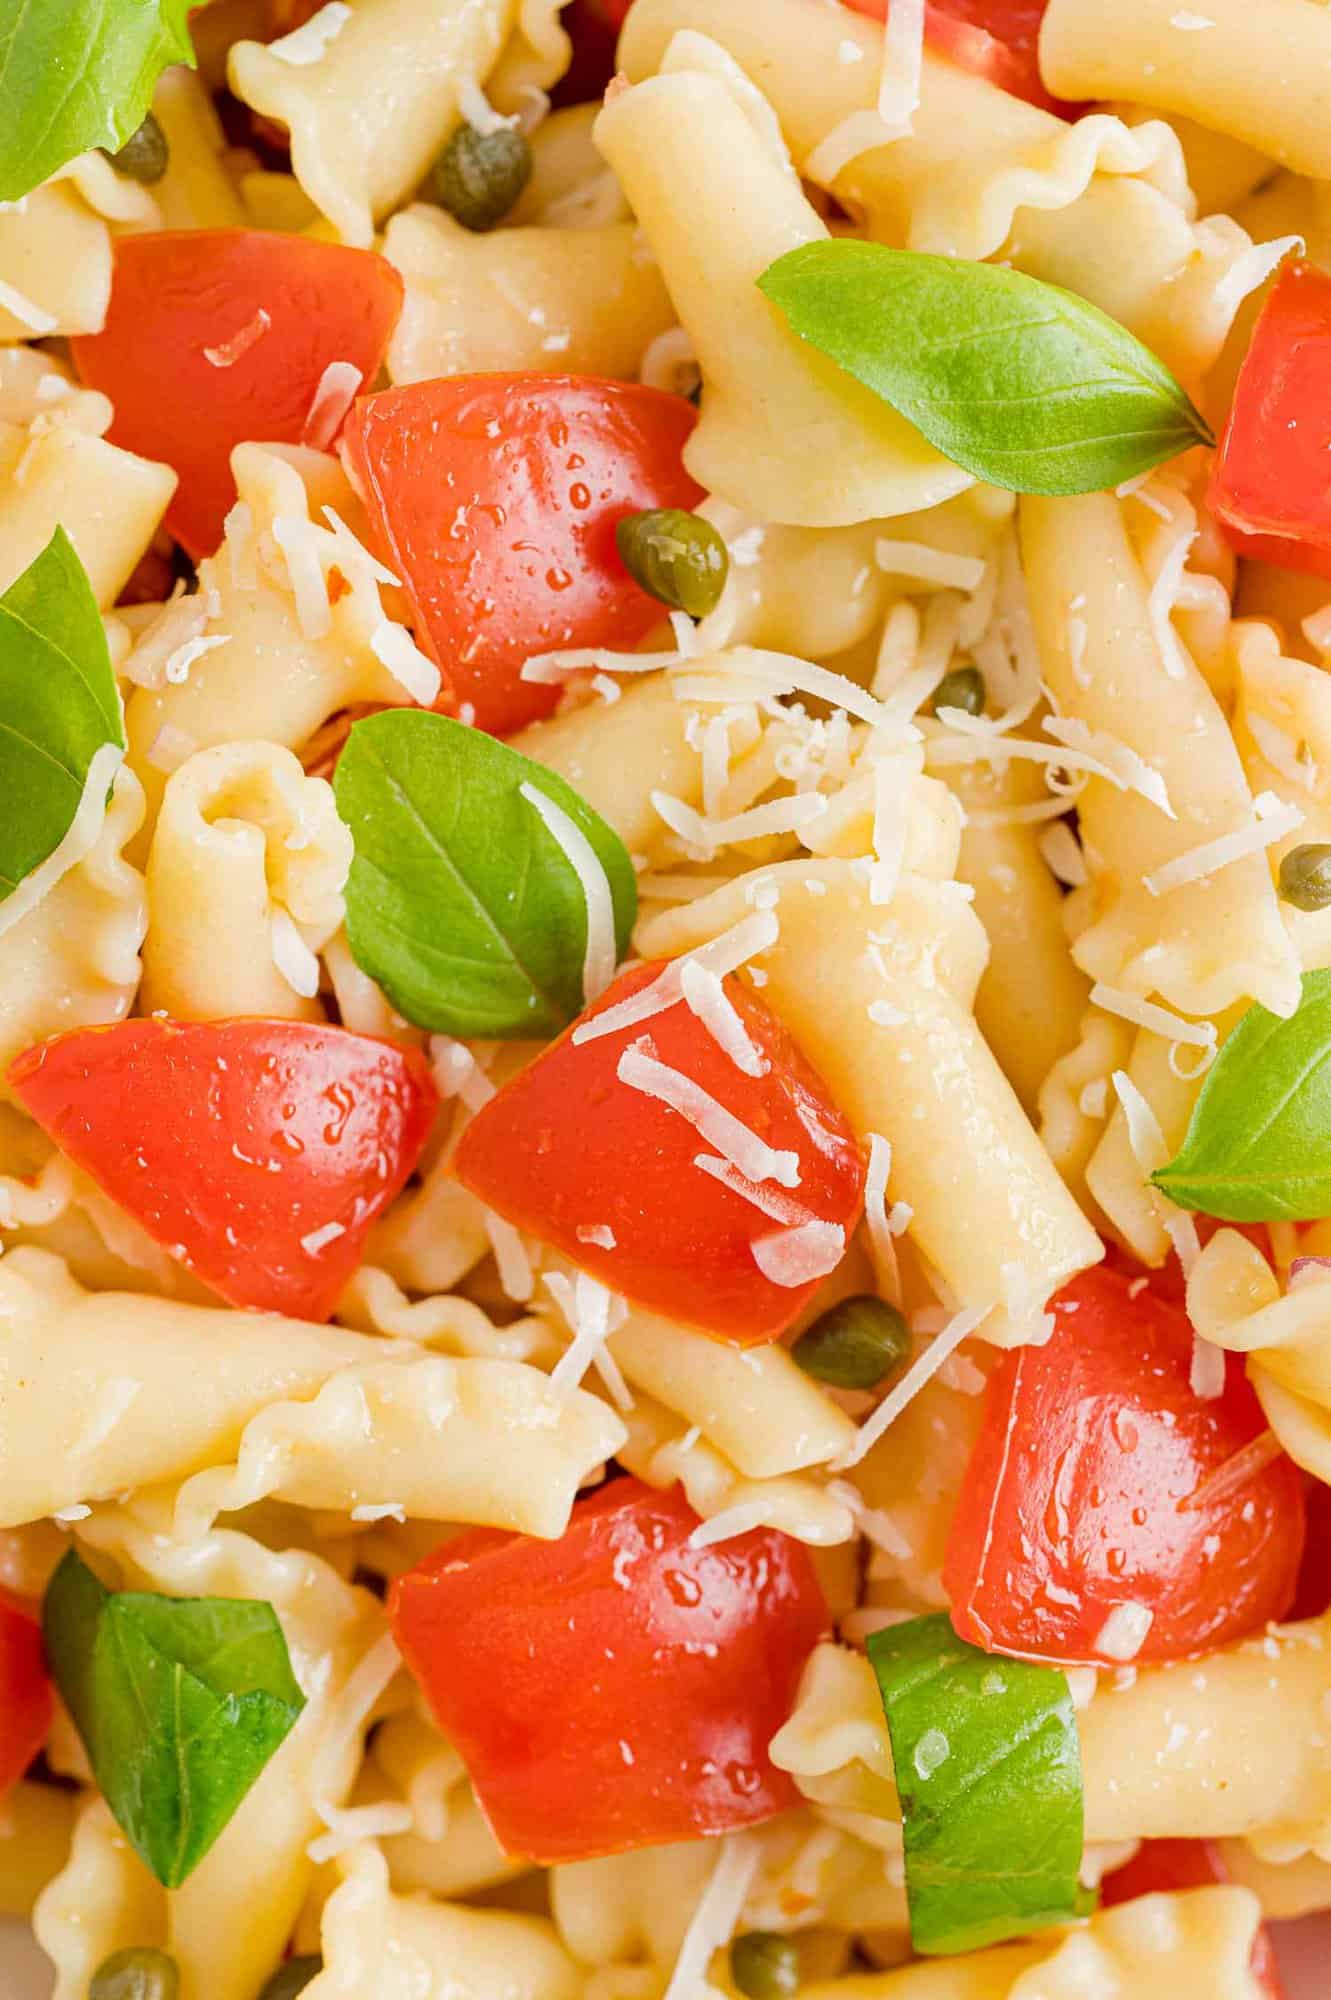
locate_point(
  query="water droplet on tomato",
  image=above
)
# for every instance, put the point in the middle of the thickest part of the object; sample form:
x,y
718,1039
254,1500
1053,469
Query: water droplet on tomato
x,y
1116,1561
683,1588
579,495
558,578
1125,1431
745,1779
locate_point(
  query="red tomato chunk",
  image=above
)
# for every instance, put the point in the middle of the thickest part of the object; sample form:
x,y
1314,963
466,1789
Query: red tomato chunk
x,y
995,39
216,337
25,1692
1188,1864
617,1688
569,1151
495,498
257,1152
1270,490
1087,1489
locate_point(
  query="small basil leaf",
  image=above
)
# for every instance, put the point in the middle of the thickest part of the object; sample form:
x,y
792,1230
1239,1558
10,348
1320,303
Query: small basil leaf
x,y
988,1771
1258,1145
1022,383
461,902
180,1703
58,702
79,73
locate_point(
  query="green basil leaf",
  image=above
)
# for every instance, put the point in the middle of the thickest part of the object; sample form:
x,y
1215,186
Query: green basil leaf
x,y
79,73
1021,383
58,705
988,1771
180,1702
461,903
1258,1145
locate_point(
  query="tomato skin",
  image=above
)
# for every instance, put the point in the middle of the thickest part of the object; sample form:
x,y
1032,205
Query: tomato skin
x,y
565,1144
616,1688
231,1140
1188,1864
25,1692
495,498
1070,1503
995,39
175,293
1268,488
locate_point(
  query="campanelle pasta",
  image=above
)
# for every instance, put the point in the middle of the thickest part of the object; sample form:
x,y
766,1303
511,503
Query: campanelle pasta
x,y
665,977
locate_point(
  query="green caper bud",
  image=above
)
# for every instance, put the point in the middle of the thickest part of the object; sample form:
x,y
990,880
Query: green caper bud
x,y
136,1974
291,1978
764,1965
962,688
144,155
678,557
479,175
854,1344
1305,877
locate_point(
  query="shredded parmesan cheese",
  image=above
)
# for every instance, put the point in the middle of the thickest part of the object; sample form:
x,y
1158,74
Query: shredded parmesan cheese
x,y
801,1255
598,958
706,836
298,540
718,1912
722,955
598,1233
706,997
319,1239
1151,1151
510,1255
228,352
752,1156
26,311
169,749
924,564
593,1312
293,957
85,830
458,1074
1124,1631
178,662
921,1370
898,98
394,648
1271,822
1061,851
767,1199
1252,268
1156,1020
329,405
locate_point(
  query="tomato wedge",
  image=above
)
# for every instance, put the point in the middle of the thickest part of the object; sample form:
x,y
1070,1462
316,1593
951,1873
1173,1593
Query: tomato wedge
x,y
495,498
257,1152
25,1691
1188,1864
1094,1484
610,1173
1269,489
619,1687
995,39
218,336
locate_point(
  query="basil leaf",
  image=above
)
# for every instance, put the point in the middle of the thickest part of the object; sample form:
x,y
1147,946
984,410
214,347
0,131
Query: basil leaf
x,y
988,1771
58,705
1021,383
1258,1145
79,73
180,1702
461,903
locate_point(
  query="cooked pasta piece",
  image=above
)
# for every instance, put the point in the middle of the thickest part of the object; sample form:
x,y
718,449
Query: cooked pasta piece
x,y
196,191
55,248
245,878
36,1826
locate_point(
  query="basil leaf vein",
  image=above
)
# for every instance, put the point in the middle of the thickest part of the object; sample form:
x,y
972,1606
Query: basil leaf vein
x,y
58,705
180,1702
988,1770
80,73
461,903
1021,383
1258,1145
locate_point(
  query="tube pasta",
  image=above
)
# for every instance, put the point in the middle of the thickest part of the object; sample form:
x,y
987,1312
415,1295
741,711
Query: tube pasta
x,y
914,1077
1199,954
196,191
55,247
243,839
57,470
1253,77
357,154
442,1439
777,418
103,1900
575,301
73,960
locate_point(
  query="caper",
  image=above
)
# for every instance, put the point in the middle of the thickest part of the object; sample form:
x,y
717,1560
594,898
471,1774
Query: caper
x,y
1305,877
479,175
854,1344
137,1974
678,557
963,688
764,1965
291,1978
144,155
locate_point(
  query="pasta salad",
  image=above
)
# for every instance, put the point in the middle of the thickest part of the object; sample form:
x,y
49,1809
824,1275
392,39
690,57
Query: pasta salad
x,y
665,997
